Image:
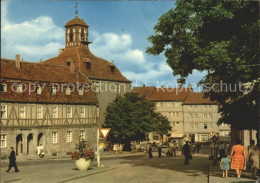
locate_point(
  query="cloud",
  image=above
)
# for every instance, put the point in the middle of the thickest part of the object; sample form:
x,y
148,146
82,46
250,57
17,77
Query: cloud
x,y
33,40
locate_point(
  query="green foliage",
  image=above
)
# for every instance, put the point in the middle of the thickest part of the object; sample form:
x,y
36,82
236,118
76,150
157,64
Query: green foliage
x,y
221,37
131,117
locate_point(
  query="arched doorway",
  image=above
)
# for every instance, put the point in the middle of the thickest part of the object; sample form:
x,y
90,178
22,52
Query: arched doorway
x,y
30,144
19,144
40,139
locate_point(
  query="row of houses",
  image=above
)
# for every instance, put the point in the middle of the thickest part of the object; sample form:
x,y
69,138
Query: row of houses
x,y
192,116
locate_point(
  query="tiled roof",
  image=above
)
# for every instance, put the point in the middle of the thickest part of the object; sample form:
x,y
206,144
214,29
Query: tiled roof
x,y
99,69
39,74
144,91
162,94
197,98
76,21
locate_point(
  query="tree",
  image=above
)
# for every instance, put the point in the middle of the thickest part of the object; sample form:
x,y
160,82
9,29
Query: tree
x,y
222,38
131,117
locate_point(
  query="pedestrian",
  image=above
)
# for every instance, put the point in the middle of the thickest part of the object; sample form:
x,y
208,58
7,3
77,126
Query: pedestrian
x,y
160,149
39,151
174,149
150,149
12,161
224,165
238,158
221,149
117,148
253,158
186,152
114,148
121,148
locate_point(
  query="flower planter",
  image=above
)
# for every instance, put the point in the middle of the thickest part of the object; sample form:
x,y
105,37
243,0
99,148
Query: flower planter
x,y
82,164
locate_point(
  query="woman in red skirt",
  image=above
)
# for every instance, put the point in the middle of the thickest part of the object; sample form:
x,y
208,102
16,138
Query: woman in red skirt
x,y
237,158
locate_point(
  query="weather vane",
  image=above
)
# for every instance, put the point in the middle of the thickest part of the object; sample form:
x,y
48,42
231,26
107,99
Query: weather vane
x,y
76,7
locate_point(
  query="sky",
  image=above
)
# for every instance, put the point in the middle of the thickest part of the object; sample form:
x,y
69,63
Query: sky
x,y
118,30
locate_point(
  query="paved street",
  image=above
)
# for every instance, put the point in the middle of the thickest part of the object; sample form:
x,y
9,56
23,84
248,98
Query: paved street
x,y
118,168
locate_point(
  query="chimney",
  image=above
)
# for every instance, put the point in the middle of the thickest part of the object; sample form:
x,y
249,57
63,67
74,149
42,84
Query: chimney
x,y
17,61
61,51
143,85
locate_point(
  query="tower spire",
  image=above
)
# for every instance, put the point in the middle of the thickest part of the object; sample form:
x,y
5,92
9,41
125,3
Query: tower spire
x,y
76,9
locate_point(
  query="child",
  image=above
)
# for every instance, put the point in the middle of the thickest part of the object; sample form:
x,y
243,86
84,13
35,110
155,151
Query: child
x,y
224,165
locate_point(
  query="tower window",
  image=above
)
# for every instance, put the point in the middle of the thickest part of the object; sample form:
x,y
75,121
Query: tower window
x,y
82,35
71,35
68,63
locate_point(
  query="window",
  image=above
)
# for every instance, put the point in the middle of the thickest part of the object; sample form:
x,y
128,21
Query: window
x,y
169,114
97,87
210,126
22,111
82,135
53,90
161,104
3,111
190,106
210,106
195,107
55,112
176,114
69,136
177,124
97,112
4,87
68,91
173,124
54,137
204,106
3,140
69,112
210,116
191,125
204,138
39,112
196,125
81,91
205,116
205,126
38,90
190,116
169,104
19,88
195,116
82,112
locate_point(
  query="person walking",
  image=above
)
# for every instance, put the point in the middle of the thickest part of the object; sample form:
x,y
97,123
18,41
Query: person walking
x,y
160,150
12,161
253,158
150,149
224,165
174,149
221,150
186,152
238,158
39,151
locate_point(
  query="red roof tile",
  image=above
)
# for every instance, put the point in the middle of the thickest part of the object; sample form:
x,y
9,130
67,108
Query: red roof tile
x,y
163,94
39,74
197,98
99,69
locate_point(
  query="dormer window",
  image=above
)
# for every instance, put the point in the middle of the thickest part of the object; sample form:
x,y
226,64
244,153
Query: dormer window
x,y
4,87
68,91
112,66
38,90
53,90
81,91
19,88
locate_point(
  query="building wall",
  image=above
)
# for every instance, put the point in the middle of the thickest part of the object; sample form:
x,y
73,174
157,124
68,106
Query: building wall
x,y
106,92
200,121
25,134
